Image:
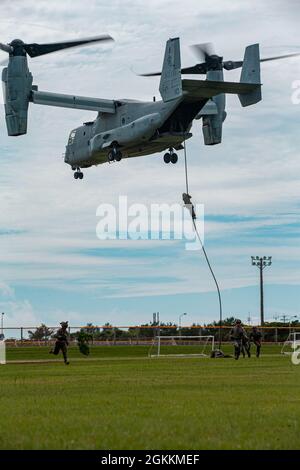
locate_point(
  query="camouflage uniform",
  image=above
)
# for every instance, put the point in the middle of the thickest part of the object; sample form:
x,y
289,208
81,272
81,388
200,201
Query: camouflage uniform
x,y
256,337
239,338
189,205
61,342
246,345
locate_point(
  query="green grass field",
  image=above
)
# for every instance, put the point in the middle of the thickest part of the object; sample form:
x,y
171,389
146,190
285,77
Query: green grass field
x,y
118,398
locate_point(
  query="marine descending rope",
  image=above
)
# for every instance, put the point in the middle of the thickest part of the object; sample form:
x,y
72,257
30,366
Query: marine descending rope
x,y
187,201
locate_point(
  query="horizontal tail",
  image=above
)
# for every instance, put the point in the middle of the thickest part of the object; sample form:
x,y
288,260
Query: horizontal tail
x,y
201,89
248,89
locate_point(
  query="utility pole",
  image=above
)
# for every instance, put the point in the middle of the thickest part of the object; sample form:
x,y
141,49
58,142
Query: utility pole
x,y
156,323
261,263
180,316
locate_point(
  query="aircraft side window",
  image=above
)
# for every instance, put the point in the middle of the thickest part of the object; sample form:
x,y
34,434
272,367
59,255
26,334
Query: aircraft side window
x,y
72,137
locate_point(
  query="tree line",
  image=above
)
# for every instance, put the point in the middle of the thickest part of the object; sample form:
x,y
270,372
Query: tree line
x,y
274,332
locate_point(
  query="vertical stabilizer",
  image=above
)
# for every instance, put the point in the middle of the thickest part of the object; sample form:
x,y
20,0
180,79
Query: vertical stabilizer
x,y
170,83
251,74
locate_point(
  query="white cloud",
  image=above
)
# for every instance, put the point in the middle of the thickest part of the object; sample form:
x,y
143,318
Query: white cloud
x,y
18,313
6,290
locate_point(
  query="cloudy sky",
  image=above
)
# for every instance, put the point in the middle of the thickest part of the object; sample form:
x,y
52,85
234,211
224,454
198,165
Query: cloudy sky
x,y
53,267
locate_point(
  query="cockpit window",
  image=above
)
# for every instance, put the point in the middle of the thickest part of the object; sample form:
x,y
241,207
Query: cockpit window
x,y
72,137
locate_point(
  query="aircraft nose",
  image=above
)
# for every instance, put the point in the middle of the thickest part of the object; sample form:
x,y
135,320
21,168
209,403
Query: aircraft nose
x,y
66,156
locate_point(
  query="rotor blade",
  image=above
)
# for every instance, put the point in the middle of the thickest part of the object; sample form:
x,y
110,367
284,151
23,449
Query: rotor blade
x,y
196,69
230,64
6,48
286,56
35,50
154,74
202,51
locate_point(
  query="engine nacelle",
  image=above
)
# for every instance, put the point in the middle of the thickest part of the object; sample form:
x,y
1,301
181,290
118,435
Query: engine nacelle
x,y
17,85
212,130
213,113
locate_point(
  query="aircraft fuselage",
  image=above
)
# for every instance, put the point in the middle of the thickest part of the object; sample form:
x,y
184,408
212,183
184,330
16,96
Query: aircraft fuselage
x,y
137,128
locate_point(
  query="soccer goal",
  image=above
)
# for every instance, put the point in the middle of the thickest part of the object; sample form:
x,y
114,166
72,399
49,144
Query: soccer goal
x,y
182,346
291,344
2,350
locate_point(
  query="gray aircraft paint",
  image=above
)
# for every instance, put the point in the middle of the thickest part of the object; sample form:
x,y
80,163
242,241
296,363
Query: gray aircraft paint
x,y
17,84
135,128
213,124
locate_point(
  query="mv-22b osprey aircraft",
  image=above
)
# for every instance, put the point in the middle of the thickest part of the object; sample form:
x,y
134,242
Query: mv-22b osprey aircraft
x,y
127,128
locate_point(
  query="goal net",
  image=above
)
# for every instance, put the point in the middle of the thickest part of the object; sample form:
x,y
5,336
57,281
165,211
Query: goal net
x,y
182,346
291,344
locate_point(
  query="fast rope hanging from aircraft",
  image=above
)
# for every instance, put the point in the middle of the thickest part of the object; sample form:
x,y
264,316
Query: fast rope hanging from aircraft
x,y
188,204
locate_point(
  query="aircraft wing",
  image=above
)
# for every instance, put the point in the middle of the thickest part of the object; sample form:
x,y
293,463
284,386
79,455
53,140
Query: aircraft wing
x,y
71,101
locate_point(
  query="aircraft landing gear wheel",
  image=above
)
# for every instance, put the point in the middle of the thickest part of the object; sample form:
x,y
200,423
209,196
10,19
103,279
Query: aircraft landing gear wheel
x,y
167,157
118,156
174,158
78,174
114,155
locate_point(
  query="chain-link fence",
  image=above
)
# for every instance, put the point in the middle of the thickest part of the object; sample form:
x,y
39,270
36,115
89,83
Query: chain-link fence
x,y
132,335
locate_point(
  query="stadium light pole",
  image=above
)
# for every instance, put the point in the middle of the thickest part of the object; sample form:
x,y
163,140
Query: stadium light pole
x,y
261,263
158,324
180,316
